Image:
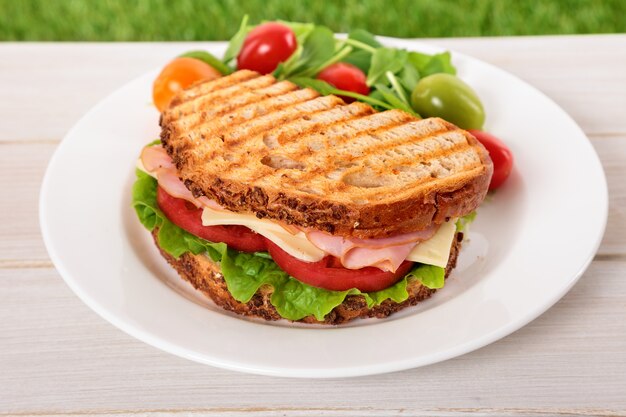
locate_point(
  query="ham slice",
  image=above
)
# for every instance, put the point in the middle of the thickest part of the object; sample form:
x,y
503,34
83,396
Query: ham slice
x,y
386,254
159,164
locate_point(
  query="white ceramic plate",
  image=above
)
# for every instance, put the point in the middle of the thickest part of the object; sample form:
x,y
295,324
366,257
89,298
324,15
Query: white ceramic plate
x,y
529,245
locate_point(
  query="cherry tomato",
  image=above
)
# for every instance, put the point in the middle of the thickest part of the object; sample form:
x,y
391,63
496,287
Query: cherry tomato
x,y
345,77
501,156
266,46
178,75
328,274
188,217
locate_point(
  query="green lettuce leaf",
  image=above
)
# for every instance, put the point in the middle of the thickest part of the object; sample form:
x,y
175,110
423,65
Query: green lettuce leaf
x,y
172,239
245,273
463,223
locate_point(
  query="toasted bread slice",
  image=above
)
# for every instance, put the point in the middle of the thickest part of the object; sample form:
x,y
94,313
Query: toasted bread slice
x,y
259,145
205,275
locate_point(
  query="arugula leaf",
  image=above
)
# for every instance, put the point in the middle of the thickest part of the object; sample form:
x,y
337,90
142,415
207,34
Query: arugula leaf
x,y
397,88
363,36
409,77
324,88
318,48
364,45
393,100
360,59
383,60
206,57
245,273
432,64
234,46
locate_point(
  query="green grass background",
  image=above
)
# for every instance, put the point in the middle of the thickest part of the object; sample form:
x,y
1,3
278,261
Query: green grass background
x,y
170,20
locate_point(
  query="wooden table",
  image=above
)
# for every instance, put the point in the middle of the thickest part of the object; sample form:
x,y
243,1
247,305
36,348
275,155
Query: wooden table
x,y
57,357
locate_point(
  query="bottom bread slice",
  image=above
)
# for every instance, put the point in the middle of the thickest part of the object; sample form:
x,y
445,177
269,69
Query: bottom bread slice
x,y
205,275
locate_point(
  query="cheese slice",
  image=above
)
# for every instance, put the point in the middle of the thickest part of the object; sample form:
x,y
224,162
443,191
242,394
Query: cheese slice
x,y
296,245
436,250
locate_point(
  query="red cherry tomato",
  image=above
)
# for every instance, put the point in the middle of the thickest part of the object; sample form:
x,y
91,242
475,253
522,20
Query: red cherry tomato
x,y
188,217
177,75
329,275
265,47
345,77
501,156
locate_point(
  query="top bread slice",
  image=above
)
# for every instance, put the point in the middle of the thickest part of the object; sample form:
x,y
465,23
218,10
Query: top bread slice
x,y
255,144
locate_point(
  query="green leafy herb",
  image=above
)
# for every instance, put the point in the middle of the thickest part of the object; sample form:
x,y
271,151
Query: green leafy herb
x,y
364,37
432,64
206,57
393,100
360,59
324,88
236,42
409,77
364,44
384,60
318,48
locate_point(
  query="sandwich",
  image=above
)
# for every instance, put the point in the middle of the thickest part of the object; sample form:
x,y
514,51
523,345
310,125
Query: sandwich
x,y
281,203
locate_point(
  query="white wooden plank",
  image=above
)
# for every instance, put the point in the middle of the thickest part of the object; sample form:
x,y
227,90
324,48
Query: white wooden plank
x,y
57,355
21,172
70,78
352,412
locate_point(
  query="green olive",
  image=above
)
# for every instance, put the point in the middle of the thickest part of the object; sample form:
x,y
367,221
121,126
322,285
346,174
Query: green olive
x,y
448,97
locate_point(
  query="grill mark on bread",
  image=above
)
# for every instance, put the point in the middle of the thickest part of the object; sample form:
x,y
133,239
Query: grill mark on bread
x,y
310,161
255,126
402,153
246,100
350,132
314,122
210,85
266,122
249,114
227,99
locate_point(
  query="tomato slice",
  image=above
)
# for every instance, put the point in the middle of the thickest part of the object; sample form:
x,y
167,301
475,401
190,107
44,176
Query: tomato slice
x,y
328,273
188,217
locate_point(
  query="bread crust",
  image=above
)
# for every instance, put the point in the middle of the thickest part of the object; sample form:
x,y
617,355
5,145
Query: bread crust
x,y
205,275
